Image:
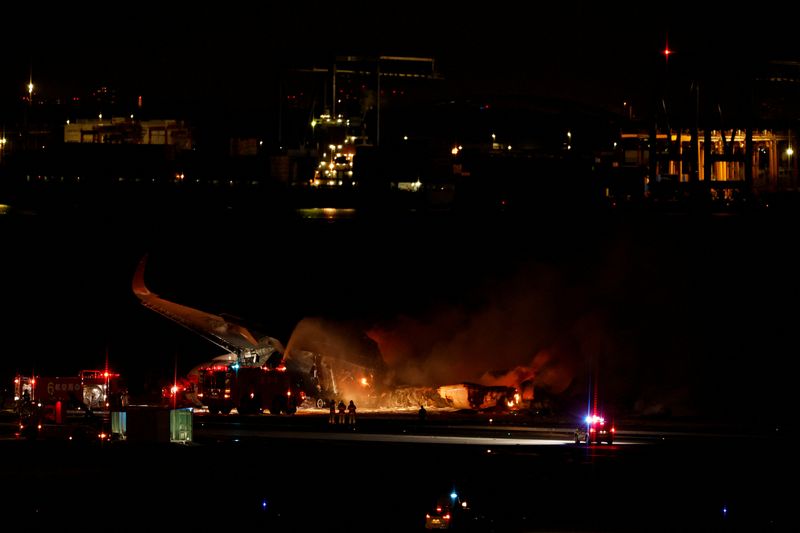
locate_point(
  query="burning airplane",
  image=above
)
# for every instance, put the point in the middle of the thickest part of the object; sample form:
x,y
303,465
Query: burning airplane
x,y
321,362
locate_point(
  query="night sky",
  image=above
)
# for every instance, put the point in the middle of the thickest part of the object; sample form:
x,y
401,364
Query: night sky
x,y
231,54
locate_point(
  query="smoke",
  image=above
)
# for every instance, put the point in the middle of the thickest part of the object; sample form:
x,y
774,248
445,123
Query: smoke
x,y
336,339
569,329
516,332
606,322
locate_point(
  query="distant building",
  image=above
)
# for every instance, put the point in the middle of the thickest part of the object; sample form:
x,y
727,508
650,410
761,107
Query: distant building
x,y
721,167
119,130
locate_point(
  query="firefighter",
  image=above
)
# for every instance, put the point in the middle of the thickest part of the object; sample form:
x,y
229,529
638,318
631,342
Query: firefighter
x,y
342,409
422,414
332,415
351,409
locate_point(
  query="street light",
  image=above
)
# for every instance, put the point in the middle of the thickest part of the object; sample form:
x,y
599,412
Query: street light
x,y
30,92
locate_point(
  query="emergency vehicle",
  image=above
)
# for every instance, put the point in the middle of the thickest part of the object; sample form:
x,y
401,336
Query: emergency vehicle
x,y
90,389
250,389
70,406
595,429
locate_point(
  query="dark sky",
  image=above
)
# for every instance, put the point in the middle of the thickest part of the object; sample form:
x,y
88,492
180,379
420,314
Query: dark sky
x,y
183,51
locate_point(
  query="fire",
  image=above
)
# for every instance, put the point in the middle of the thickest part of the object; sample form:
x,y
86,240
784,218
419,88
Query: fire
x,y
364,382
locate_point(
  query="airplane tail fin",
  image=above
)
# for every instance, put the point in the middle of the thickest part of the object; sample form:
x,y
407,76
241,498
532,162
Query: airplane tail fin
x,y
139,288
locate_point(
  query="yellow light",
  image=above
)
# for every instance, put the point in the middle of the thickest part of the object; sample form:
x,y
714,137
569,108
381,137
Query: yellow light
x,y
30,88
789,151
364,381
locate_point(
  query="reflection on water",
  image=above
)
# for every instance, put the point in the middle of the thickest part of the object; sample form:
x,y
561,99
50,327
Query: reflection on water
x,y
327,213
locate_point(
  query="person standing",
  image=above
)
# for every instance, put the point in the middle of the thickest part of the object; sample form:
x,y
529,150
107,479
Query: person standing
x,y
332,415
342,409
351,409
422,414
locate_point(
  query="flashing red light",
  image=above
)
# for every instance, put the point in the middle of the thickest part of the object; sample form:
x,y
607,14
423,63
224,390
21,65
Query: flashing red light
x,y
667,51
446,517
438,508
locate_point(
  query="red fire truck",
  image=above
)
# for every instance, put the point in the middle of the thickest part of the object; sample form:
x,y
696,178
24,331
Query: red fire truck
x,y
61,406
249,389
90,389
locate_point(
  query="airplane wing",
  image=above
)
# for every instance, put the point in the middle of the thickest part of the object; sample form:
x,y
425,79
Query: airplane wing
x,y
226,334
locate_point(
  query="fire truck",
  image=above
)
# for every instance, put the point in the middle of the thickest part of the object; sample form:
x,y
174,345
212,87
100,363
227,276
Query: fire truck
x,y
250,389
90,389
57,401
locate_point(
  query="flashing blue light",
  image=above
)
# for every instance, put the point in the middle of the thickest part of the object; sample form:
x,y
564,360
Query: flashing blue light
x,y
724,511
235,366
264,504
453,495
